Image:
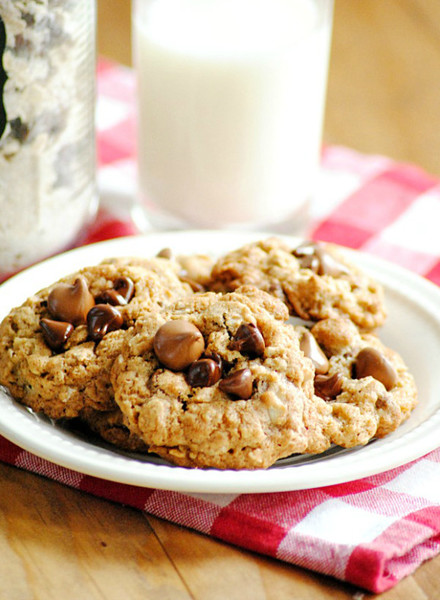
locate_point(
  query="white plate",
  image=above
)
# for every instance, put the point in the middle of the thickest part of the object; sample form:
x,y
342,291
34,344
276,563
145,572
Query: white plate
x,y
412,328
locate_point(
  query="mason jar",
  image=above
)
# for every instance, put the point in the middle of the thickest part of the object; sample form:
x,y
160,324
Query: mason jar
x,y
47,141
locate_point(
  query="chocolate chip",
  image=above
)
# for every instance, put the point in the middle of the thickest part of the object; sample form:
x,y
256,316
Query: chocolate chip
x,y
371,362
305,249
313,256
195,285
203,373
177,344
165,253
125,287
224,365
328,387
102,319
307,254
329,265
110,296
71,303
239,383
121,293
248,340
312,350
56,333
215,356
311,262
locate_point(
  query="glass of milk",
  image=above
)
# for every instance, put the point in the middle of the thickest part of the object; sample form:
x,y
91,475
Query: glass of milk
x,y
231,99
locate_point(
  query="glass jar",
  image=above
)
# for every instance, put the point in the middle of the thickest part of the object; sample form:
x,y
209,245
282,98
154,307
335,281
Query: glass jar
x,y
47,141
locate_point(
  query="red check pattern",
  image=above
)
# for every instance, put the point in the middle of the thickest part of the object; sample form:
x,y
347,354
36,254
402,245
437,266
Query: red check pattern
x,y
371,532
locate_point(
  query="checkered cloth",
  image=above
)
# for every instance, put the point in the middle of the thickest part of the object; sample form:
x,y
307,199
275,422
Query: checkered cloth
x,y
371,532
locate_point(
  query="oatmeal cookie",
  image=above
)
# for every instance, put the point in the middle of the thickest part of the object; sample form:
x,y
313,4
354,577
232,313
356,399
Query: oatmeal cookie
x,y
168,271
56,349
314,280
193,270
109,425
196,268
367,386
217,381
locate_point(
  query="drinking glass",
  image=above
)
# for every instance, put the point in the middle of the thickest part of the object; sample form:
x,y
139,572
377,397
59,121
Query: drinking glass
x,y
231,98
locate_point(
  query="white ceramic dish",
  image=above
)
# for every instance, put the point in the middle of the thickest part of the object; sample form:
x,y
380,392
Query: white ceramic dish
x,y
412,328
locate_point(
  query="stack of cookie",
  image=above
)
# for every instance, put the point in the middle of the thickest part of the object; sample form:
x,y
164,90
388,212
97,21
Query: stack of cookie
x,y
269,351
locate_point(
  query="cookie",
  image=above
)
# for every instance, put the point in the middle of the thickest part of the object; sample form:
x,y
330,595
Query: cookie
x,y
314,280
366,385
218,381
109,426
168,271
193,270
56,349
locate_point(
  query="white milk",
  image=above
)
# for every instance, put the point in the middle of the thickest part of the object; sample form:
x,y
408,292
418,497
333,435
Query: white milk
x,y
231,97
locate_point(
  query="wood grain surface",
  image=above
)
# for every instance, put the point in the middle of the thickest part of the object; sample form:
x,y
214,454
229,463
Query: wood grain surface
x,y
57,543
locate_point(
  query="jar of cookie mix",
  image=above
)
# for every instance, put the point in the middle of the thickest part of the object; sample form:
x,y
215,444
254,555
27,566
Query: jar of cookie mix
x,y
47,141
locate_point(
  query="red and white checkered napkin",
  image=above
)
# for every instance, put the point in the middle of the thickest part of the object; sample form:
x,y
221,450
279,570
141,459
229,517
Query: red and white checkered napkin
x,y
370,532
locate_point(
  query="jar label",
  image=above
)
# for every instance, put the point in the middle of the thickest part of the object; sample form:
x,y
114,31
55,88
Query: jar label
x,y
3,78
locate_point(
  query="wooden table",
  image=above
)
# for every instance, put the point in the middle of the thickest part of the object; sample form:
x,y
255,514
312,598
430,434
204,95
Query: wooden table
x,y
57,543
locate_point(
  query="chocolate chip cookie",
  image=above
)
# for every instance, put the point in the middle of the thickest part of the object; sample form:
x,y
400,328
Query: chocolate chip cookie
x,y
109,426
218,381
56,349
366,385
193,270
314,280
